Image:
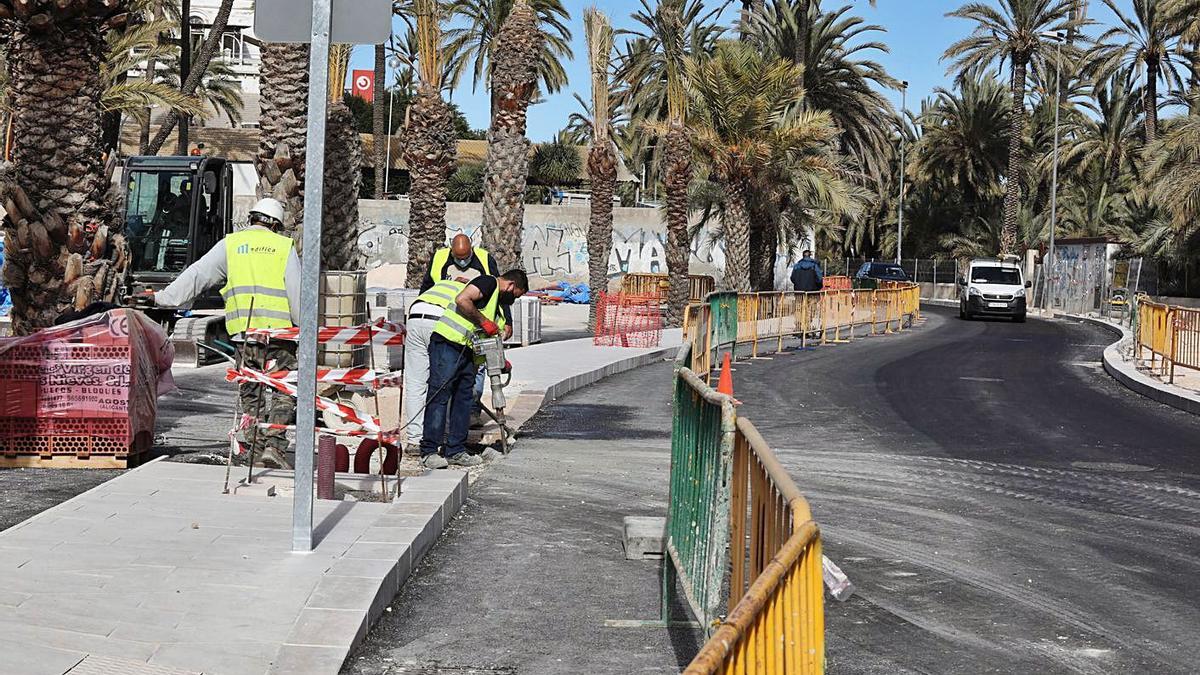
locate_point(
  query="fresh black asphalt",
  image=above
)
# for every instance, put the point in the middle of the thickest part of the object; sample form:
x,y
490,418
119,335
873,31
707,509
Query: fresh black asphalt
x,y
1000,502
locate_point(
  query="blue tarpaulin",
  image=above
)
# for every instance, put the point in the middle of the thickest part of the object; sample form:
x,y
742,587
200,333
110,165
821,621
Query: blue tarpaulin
x,y
578,294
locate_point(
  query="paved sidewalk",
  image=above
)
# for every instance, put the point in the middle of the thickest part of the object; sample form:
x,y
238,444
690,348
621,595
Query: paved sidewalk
x,y
525,579
157,568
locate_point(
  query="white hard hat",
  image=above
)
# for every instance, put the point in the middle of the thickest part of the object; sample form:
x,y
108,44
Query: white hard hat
x,y
270,208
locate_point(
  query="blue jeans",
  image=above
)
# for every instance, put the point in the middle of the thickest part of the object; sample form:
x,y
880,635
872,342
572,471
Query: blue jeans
x,y
451,388
477,403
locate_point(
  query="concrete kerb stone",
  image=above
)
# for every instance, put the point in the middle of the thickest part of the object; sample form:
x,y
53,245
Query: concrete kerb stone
x,y
1126,372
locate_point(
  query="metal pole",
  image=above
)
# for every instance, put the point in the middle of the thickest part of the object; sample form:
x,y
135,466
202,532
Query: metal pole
x,y
387,168
1049,266
900,210
310,277
185,69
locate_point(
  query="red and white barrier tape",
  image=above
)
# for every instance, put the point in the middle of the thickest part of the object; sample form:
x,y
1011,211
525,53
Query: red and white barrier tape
x,y
380,333
363,376
353,417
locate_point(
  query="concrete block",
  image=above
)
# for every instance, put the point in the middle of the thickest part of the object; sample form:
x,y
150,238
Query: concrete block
x,y
328,628
33,659
344,593
645,537
307,660
257,489
227,658
378,551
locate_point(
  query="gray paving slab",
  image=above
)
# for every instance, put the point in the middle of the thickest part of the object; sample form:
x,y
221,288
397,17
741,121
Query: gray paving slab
x,y
158,568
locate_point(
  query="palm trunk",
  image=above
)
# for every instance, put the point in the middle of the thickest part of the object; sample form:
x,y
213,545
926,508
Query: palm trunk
x,y
282,125
514,84
678,178
429,151
602,171
737,237
195,75
1016,160
1150,102
53,192
151,72
764,247
378,121
343,176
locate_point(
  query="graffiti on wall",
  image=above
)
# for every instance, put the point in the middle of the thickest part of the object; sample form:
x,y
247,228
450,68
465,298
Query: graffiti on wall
x,y
555,252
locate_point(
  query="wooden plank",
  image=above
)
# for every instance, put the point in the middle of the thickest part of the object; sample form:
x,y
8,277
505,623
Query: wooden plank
x,y
65,462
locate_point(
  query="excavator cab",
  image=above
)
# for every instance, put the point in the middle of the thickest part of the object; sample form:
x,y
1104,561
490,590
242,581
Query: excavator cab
x,y
176,210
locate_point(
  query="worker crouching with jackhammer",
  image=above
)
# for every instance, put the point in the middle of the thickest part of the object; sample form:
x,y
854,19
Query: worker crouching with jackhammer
x,y
453,363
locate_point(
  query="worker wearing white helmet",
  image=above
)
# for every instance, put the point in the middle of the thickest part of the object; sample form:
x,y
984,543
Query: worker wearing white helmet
x,y
260,273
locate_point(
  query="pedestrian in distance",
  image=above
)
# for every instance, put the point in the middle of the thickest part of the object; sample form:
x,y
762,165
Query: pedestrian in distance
x,y
453,364
806,274
256,265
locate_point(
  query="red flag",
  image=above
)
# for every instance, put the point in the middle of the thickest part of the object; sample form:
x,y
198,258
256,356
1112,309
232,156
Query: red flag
x,y
364,84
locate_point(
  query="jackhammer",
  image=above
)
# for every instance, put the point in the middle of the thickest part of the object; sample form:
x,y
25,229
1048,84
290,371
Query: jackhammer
x,y
499,371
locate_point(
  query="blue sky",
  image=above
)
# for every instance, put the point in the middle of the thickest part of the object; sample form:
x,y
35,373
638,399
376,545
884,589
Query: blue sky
x,y
917,32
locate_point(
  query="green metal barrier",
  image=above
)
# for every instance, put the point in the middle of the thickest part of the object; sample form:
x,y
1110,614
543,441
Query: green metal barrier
x,y
698,512
724,308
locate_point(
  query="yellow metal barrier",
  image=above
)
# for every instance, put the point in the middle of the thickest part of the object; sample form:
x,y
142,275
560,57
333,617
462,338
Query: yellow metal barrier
x,y
1169,334
764,320
656,285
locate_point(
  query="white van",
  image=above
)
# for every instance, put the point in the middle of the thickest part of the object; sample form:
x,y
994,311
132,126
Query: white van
x,y
991,287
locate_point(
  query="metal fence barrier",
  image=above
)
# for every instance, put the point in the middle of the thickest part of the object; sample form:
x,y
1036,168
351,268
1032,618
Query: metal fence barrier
x,y
697,515
762,321
1169,335
657,285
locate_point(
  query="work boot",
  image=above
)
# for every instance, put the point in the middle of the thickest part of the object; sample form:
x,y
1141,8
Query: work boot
x,y
434,461
466,459
272,458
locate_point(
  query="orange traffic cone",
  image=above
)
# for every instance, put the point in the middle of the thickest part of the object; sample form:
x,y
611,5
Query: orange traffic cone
x,y
725,382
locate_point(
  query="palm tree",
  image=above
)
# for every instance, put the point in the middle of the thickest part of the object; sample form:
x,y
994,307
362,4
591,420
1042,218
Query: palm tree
x,y
1104,145
832,46
747,119
282,122
514,72
53,192
1142,47
127,49
429,147
1014,33
379,120
218,90
962,148
602,158
654,70
472,46
343,173
199,66
1174,174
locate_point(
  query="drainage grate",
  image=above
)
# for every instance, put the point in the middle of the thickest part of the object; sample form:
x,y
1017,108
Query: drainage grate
x,y
1115,467
449,670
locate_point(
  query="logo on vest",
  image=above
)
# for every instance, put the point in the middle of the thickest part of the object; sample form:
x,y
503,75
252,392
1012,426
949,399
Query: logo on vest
x,y
246,249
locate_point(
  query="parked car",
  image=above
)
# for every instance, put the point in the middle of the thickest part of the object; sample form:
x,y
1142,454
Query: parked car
x,y
871,273
992,287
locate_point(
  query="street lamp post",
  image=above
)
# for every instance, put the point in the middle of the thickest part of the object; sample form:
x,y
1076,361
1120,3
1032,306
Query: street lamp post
x,y
1049,264
394,64
900,211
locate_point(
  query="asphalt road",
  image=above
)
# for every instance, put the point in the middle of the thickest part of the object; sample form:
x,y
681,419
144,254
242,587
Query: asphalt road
x,y
1001,504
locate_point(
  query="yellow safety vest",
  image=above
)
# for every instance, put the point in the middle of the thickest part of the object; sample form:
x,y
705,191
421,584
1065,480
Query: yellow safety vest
x,y
454,327
442,256
257,264
442,294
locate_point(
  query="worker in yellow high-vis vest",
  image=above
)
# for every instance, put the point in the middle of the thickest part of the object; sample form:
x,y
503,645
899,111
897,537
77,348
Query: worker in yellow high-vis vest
x,y
475,311
258,266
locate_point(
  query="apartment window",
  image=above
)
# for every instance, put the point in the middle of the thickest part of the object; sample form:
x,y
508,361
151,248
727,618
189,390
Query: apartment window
x,y
232,47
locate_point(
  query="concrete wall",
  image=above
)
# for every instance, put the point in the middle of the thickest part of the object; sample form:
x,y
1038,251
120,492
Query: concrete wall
x,y
555,239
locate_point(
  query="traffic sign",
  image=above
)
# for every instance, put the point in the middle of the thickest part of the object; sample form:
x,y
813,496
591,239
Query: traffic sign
x,y
356,22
